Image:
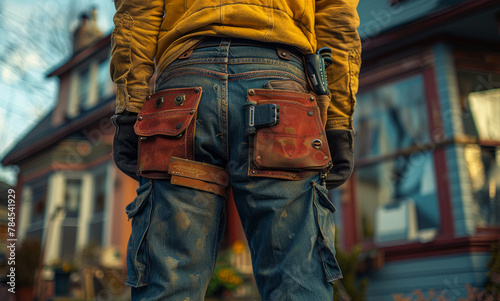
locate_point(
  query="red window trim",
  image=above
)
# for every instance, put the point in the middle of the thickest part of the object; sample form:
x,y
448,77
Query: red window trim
x,y
439,247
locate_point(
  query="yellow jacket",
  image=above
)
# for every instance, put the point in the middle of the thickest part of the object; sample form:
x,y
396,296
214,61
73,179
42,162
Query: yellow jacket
x,y
158,31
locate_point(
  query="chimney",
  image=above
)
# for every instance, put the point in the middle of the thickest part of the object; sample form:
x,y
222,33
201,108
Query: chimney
x,y
87,33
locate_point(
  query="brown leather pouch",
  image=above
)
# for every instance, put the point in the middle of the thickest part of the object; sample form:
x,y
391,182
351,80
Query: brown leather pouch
x,y
166,126
297,144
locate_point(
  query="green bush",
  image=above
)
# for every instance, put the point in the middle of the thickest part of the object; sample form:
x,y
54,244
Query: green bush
x,y
352,287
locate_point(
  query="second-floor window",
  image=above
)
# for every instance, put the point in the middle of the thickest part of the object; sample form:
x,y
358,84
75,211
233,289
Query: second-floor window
x,y
90,84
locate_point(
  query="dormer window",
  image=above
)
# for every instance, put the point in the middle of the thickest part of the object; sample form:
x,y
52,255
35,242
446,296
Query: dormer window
x,y
90,84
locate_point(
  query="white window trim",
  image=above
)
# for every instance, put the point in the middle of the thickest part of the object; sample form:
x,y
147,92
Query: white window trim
x,y
55,217
108,211
25,212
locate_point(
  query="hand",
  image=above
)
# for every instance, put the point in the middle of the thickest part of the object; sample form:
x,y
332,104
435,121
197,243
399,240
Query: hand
x,y
125,143
340,143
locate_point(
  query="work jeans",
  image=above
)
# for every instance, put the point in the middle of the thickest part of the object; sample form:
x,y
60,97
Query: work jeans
x,y
176,230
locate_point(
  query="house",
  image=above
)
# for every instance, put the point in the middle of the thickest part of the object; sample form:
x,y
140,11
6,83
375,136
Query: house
x,y
70,194
6,193
424,201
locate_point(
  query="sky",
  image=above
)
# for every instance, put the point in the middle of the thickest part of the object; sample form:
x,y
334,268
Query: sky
x,y
35,38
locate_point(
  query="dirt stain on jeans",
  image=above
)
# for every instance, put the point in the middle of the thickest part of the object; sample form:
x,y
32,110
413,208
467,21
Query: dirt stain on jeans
x,y
182,221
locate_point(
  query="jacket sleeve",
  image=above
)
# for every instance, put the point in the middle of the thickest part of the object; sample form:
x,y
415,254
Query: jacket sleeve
x,y
133,49
336,27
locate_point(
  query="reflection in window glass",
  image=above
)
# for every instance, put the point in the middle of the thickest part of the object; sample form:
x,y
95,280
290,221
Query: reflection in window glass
x,y
391,181
391,118
483,164
485,109
471,82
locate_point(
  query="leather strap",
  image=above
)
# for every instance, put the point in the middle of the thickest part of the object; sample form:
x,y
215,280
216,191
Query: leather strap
x,y
198,170
198,175
200,185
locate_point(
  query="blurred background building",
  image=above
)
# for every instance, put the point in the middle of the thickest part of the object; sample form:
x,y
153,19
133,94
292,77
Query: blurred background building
x,y
425,192
422,204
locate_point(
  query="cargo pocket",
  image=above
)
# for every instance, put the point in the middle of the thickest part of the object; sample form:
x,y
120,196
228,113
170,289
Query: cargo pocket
x,y
324,209
139,211
166,127
296,143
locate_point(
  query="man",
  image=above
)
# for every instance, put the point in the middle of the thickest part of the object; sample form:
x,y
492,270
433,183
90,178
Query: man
x,y
233,98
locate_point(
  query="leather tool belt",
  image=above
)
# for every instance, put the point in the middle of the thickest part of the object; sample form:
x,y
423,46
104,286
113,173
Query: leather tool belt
x,y
292,147
166,127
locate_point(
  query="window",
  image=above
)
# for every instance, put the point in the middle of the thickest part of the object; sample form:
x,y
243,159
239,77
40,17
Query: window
x,y
90,83
485,109
99,205
395,180
483,165
36,200
391,123
479,104
103,79
69,228
391,118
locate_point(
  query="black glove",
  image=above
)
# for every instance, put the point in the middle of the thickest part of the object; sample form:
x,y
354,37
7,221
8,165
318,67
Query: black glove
x,y
340,143
125,143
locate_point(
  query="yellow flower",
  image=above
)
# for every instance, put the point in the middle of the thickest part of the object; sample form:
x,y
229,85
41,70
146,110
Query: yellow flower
x,y
238,247
66,267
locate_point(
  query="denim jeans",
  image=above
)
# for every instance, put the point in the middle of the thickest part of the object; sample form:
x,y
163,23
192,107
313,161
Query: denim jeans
x,y
176,231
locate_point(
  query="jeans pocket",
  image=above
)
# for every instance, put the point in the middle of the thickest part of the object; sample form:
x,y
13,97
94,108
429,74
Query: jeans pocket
x,y
139,211
324,210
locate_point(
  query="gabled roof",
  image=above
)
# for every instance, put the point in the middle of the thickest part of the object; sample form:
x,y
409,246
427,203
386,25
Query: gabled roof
x,y
44,135
41,129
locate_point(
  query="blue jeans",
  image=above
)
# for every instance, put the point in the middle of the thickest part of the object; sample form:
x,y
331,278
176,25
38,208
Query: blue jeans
x,y
176,231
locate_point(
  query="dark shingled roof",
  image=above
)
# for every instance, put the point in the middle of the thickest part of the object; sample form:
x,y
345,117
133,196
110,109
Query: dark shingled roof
x,y
378,16
40,130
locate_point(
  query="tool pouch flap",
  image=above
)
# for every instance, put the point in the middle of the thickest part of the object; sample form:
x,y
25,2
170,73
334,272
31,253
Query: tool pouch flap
x,y
298,142
166,126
